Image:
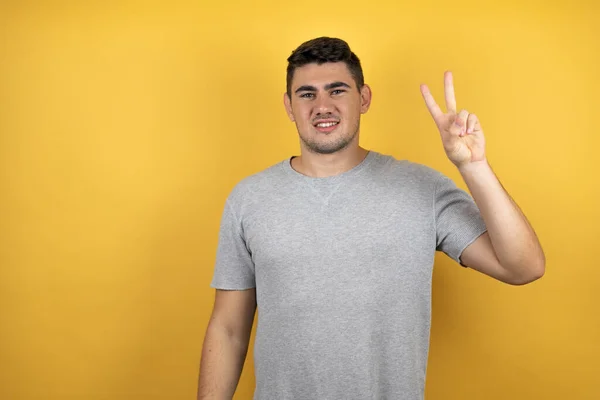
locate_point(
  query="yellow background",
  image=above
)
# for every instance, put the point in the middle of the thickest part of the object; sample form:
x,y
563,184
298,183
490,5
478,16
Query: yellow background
x,y
124,125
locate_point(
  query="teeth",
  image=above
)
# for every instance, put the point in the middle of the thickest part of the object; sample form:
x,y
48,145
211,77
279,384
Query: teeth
x,y
326,124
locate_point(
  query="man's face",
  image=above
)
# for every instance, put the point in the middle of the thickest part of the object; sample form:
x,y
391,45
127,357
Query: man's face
x,y
326,104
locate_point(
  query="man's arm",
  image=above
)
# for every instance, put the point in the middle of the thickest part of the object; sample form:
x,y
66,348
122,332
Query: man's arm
x,y
510,250
226,343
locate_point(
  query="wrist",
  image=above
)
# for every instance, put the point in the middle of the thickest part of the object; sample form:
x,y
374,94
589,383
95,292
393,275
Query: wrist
x,y
474,168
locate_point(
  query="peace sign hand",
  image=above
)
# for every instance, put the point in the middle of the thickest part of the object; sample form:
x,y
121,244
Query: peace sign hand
x,y
461,133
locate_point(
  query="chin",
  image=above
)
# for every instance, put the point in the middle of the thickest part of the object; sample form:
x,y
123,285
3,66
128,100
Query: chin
x,y
327,147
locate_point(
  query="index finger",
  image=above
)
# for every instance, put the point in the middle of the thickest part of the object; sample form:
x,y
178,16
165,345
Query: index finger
x,y
434,109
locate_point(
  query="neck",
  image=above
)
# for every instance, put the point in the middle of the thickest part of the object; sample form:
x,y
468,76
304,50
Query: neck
x,y
326,165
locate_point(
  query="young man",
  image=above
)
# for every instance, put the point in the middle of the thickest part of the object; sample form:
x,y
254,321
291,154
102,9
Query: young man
x,y
336,247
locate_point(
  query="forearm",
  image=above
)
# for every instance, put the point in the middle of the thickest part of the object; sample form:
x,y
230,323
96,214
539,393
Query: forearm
x,y
222,361
513,239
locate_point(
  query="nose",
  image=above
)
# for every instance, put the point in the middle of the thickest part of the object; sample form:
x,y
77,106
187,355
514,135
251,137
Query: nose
x,y
323,105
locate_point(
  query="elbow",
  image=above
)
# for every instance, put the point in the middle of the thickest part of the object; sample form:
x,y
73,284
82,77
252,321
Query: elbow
x,y
534,271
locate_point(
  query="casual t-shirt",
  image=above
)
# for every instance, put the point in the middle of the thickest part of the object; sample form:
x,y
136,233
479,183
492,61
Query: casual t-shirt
x,y
342,267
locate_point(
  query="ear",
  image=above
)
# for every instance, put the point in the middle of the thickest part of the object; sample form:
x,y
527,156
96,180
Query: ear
x,y
287,102
365,98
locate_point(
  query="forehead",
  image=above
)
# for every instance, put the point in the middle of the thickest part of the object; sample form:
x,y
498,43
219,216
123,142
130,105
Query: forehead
x,y
319,75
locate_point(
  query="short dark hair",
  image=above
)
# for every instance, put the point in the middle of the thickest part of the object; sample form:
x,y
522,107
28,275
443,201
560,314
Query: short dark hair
x,y
322,50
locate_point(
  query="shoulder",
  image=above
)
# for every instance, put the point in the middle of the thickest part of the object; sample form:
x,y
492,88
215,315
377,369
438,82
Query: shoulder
x,y
258,184
415,172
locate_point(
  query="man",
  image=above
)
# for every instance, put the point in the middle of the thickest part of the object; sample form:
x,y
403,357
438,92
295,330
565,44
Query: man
x,y
335,247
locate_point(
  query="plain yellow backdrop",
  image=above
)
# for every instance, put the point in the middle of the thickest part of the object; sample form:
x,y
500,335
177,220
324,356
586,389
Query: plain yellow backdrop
x,y
124,125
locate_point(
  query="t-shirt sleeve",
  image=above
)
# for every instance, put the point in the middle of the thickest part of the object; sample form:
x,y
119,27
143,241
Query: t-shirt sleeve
x,y
234,268
458,221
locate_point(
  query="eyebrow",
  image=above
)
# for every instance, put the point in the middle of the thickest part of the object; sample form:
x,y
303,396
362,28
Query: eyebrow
x,y
329,86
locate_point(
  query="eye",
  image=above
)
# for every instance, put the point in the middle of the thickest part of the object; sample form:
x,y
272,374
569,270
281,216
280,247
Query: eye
x,y
307,95
338,91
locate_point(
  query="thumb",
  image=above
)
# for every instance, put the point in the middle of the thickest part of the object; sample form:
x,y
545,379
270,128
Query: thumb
x,y
459,123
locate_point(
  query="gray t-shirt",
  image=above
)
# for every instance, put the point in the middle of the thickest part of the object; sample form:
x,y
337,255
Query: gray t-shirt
x,y
342,268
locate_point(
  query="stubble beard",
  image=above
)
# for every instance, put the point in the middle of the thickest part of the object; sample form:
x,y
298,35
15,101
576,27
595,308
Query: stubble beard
x,y
317,147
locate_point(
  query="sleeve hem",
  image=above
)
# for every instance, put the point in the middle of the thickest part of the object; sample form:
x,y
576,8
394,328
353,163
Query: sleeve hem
x,y
466,244
232,287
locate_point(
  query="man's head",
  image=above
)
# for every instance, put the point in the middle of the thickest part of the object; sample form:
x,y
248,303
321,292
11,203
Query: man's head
x,y
326,94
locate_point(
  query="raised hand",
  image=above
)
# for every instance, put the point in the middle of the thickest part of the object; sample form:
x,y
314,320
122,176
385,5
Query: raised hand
x,y
461,132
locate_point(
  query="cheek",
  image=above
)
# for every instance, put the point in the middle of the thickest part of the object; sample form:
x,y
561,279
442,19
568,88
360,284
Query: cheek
x,y
303,117
351,106
299,111
349,111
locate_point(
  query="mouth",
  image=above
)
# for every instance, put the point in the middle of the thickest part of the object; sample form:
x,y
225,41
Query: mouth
x,y
326,126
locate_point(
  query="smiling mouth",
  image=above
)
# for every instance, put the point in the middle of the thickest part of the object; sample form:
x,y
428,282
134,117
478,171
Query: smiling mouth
x,y
326,127
326,124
